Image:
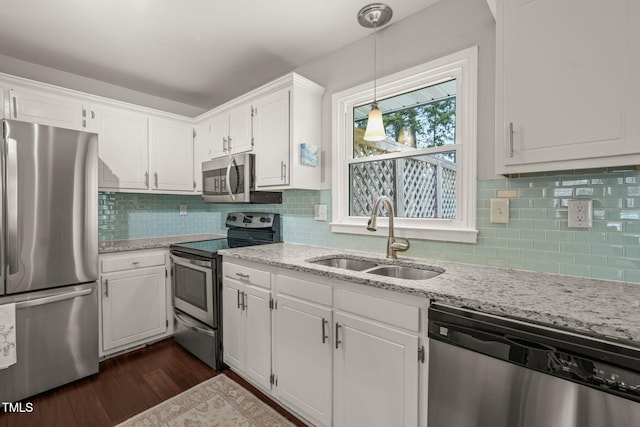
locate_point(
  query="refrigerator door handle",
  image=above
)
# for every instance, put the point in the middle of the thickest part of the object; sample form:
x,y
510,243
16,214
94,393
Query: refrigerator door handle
x,y
12,205
53,298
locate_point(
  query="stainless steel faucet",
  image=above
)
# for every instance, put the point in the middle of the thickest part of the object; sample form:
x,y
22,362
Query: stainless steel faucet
x,y
392,245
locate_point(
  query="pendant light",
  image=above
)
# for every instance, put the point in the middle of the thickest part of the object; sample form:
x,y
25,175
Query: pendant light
x,y
373,16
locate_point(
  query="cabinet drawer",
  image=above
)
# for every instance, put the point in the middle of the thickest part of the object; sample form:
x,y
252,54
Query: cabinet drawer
x,y
247,275
304,289
394,313
128,262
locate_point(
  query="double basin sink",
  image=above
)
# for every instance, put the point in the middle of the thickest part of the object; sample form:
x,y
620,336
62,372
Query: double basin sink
x,y
379,268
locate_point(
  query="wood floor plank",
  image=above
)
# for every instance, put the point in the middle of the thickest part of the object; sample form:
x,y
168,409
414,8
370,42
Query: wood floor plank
x,y
164,386
87,408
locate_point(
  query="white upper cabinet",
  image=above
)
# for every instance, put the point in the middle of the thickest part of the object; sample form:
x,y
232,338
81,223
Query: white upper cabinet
x,y
123,148
202,150
46,108
273,121
140,153
2,103
171,155
240,132
231,131
283,121
219,144
567,95
271,128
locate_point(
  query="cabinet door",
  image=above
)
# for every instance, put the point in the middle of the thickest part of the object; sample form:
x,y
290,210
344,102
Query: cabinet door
x,y
257,340
232,323
219,135
2,103
303,351
272,139
202,147
568,90
133,306
46,109
376,374
123,149
171,155
240,131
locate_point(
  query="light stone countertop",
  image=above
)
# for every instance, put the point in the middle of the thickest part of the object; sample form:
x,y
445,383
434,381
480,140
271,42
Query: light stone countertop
x,y
590,306
152,242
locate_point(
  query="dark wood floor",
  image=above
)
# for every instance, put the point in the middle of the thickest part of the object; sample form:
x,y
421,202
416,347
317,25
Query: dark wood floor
x,y
126,385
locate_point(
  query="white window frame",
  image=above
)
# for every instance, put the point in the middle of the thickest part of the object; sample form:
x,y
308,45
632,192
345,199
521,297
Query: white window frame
x,y
463,66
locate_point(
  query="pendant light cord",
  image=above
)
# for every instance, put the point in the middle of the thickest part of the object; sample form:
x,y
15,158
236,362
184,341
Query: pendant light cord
x,y
375,59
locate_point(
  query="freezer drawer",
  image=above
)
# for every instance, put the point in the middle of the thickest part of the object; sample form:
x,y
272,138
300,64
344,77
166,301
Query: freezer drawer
x,y
56,340
197,338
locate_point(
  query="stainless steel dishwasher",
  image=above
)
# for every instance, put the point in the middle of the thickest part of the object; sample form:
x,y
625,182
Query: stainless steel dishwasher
x,y
489,371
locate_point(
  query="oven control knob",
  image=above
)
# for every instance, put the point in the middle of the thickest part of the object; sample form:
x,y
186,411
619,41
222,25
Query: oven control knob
x,y
231,218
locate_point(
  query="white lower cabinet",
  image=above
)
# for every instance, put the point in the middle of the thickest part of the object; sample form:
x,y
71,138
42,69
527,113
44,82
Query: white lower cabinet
x,y
134,300
342,354
246,323
375,374
303,347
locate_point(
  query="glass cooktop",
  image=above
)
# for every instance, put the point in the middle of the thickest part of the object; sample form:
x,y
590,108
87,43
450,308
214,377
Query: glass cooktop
x,y
209,248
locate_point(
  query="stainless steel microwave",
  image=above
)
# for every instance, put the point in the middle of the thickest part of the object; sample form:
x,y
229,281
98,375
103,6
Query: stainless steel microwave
x,y
231,179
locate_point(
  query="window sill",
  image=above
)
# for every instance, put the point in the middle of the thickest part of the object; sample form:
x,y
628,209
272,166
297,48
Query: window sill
x,y
446,234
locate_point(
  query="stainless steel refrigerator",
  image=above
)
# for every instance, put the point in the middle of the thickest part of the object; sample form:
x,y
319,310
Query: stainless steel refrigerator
x,y
48,258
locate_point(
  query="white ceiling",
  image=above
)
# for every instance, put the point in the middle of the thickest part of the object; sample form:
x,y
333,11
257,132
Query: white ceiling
x,y
197,52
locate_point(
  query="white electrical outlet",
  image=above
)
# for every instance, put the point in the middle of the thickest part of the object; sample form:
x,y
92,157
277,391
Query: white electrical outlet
x,y
499,211
580,213
183,210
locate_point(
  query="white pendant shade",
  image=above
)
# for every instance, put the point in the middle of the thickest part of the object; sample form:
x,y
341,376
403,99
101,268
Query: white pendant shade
x,y
375,126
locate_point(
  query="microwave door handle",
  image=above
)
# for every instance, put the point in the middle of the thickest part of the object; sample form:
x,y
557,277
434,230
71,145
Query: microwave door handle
x,y
12,205
229,190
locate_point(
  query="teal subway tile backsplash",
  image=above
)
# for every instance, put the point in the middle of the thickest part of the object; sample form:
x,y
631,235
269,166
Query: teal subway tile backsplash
x,y
536,238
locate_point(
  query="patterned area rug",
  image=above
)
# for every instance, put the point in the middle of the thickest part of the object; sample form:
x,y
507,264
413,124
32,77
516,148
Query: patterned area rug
x,y
218,401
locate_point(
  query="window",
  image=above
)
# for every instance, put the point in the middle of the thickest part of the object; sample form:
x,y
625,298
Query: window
x,y
426,165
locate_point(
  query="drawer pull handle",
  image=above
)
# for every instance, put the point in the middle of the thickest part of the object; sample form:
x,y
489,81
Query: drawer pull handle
x,y
338,342
135,262
243,276
106,288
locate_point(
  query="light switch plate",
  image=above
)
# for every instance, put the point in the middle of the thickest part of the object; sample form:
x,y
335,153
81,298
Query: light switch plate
x,y
320,212
499,211
580,213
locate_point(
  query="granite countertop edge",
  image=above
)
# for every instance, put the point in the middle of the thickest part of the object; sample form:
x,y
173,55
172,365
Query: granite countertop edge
x,y
112,246
601,308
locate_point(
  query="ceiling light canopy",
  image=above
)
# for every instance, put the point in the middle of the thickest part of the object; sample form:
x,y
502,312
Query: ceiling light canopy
x,y
375,15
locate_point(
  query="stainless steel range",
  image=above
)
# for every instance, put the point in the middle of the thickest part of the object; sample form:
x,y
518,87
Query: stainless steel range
x,y
197,282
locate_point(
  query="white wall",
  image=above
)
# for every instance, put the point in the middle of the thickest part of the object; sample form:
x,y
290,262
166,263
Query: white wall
x,y
446,27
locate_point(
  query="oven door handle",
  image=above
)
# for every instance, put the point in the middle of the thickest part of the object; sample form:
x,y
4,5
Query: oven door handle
x,y
191,326
203,266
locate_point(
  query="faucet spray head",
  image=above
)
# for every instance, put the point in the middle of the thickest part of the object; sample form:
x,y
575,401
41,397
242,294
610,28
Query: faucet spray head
x,y
371,224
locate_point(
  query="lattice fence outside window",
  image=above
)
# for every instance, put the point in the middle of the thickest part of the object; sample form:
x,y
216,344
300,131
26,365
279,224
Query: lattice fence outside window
x,y
420,187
